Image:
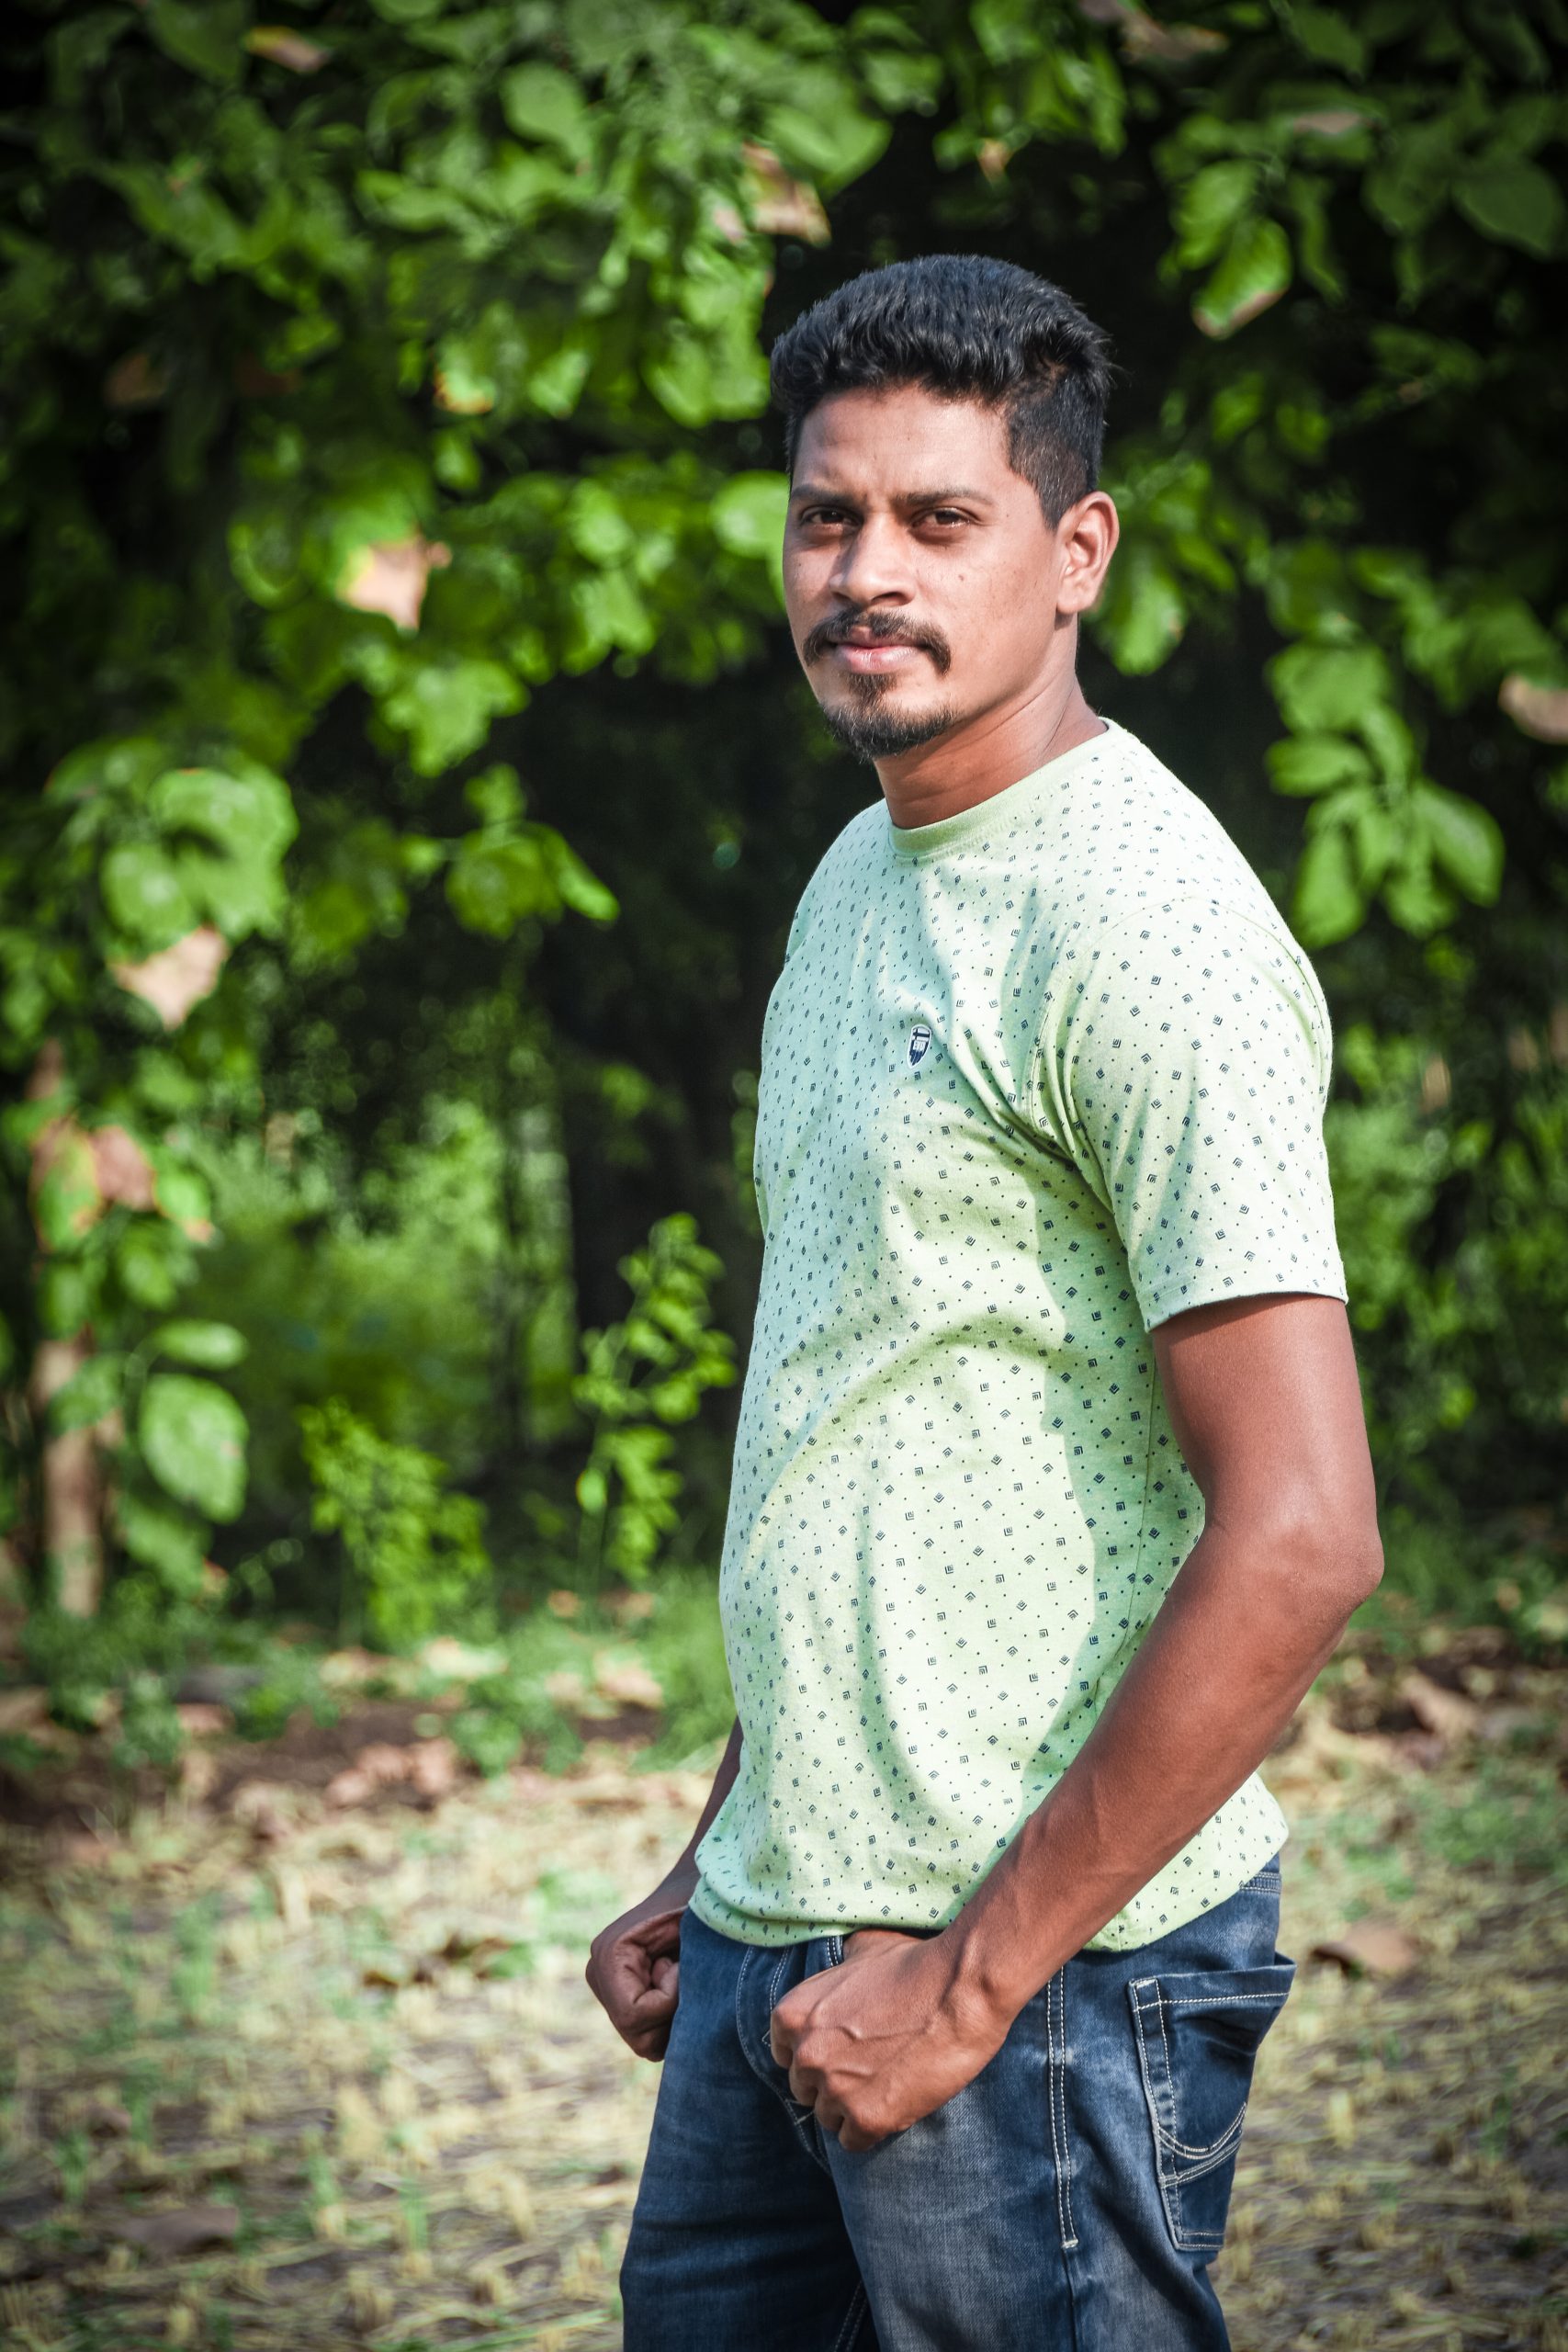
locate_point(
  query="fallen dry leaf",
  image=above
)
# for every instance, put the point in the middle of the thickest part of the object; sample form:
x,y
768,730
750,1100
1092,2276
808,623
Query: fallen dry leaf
x,y
1447,1713
459,1661
202,1719
1372,1948
23,1710
628,1681
389,576
345,1667
350,1787
265,1808
180,2232
177,977
107,2120
432,1767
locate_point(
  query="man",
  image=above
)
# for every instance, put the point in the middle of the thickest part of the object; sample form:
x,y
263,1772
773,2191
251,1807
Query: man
x,y
1051,1490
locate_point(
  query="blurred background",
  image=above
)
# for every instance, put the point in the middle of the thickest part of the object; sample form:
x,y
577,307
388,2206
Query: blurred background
x,y
410,783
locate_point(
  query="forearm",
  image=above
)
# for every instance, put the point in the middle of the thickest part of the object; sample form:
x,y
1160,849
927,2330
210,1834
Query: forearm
x,y
1227,1662
683,1873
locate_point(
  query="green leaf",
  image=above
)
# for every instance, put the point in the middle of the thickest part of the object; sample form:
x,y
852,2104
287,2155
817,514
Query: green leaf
x,y
1328,903
1323,34
579,887
143,894
207,36
192,1439
491,884
248,813
748,513
1467,843
1142,612
94,1389
1253,274
1304,764
1515,202
541,102
445,708
1326,689
162,1536
215,1346
1208,207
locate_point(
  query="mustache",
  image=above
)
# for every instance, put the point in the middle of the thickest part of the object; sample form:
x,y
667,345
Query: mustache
x,y
882,629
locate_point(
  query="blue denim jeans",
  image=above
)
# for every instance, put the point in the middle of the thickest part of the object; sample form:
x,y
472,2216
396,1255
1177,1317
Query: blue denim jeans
x,y
1069,2200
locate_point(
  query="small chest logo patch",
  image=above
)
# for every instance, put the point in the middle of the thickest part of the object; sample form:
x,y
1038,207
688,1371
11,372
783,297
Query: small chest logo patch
x,y
919,1044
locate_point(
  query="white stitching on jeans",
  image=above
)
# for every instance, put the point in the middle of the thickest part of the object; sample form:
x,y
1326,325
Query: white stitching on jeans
x,y
1057,2007
851,2327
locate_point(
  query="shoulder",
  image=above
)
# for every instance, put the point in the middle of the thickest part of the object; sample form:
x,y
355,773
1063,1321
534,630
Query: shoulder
x,y
842,870
1154,878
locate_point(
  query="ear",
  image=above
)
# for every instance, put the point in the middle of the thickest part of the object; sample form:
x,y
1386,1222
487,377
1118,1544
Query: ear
x,y
1085,541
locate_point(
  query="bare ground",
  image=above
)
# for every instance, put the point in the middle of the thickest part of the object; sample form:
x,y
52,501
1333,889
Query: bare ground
x,y
291,2078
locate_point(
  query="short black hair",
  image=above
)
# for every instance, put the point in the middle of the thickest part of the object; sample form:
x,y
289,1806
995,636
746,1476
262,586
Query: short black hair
x,y
965,328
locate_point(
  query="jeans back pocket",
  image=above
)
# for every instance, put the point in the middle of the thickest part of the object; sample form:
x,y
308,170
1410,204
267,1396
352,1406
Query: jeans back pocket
x,y
1197,2040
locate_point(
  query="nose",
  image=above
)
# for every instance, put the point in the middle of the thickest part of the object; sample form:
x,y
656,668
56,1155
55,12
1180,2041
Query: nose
x,y
872,564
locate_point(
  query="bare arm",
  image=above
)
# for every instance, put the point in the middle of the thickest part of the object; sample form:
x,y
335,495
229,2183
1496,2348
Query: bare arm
x,y
1265,1403
633,1968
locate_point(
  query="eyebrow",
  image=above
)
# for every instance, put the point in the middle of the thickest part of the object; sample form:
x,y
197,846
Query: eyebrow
x,y
954,497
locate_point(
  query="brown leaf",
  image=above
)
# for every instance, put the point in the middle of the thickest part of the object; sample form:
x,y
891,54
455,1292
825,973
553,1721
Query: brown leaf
x,y
1445,1713
23,1710
352,1666
136,381
1332,123
180,2232
780,205
107,2120
1370,1948
123,1168
1540,711
389,576
432,1767
459,1661
628,1682
285,46
253,379
1143,36
177,977
200,1719
350,1787
458,403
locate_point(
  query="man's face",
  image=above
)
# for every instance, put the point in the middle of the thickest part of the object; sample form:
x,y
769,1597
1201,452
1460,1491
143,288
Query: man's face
x,y
921,578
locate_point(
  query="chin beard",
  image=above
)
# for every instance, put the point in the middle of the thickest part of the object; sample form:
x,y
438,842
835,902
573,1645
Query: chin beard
x,y
873,732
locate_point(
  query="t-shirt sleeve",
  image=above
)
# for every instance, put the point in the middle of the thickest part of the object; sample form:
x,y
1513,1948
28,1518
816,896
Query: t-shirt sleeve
x,y
1183,1065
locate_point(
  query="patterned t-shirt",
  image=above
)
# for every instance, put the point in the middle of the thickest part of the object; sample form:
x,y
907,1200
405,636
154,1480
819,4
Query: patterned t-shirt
x,y
1034,1077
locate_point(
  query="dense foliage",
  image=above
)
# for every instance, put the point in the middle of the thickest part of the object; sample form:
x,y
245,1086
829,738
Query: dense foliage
x,y
409,783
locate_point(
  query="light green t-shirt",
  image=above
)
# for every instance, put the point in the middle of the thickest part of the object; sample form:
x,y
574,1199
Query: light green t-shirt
x,y
1034,1077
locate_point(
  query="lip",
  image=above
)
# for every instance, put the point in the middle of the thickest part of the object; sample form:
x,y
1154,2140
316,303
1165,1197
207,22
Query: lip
x,y
872,659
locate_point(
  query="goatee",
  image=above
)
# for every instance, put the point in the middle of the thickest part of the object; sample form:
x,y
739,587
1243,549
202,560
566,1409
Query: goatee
x,y
872,732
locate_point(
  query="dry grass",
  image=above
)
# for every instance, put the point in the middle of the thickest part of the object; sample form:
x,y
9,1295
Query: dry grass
x,y
363,2050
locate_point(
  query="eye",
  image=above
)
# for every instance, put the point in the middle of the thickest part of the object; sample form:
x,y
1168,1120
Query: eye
x,y
819,517
946,516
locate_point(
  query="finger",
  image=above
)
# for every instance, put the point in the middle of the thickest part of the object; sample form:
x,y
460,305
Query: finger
x,y
854,2138
667,1976
805,2085
651,2044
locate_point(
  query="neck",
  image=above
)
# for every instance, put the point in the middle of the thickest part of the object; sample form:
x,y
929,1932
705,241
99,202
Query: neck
x,y
981,757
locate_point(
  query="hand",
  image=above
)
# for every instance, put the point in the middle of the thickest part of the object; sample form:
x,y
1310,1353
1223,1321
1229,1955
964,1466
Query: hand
x,y
634,1973
875,2044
